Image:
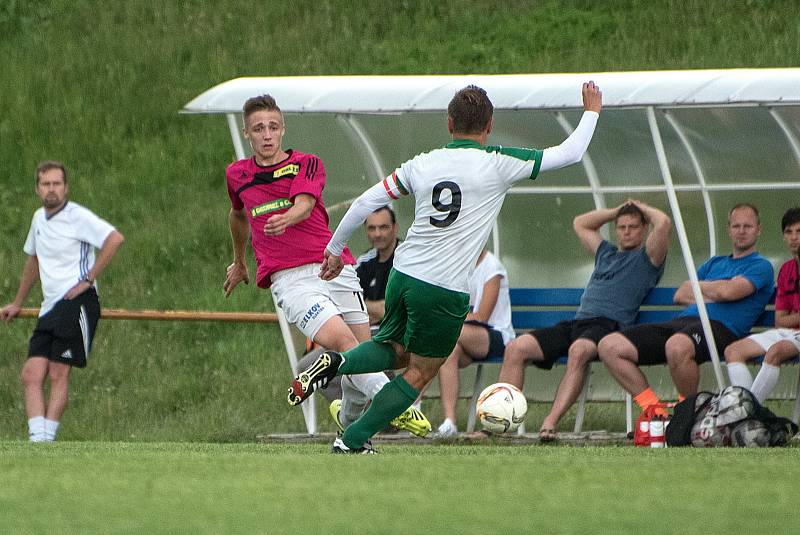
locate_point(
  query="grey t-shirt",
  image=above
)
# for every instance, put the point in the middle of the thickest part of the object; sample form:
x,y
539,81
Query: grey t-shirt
x,y
618,285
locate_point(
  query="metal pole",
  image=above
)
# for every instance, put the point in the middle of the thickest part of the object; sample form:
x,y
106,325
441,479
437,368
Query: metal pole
x,y
687,252
787,131
701,179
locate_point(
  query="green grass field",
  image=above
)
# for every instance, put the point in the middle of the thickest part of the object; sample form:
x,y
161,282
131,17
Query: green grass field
x,y
107,487
160,436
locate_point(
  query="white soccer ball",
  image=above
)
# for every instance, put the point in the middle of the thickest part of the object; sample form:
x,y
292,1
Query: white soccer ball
x,y
501,408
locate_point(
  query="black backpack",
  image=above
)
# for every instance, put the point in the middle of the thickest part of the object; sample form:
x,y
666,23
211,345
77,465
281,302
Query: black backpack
x,y
734,417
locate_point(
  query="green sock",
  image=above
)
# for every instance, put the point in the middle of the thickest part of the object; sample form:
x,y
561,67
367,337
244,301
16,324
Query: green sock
x,y
394,398
368,357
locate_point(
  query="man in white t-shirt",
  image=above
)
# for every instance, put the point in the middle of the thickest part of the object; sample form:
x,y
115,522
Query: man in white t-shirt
x,y
60,248
458,191
485,333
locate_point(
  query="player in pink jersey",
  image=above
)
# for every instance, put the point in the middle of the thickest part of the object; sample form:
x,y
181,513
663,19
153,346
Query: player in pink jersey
x,y
780,344
276,197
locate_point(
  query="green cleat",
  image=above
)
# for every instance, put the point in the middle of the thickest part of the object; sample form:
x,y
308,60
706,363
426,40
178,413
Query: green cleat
x,y
412,421
335,409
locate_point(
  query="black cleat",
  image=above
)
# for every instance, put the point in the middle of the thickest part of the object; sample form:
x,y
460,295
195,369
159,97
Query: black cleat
x,y
318,375
339,447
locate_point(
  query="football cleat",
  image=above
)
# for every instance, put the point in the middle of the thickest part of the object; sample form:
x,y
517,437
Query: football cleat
x,y
335,409
412,421
318,375
339,447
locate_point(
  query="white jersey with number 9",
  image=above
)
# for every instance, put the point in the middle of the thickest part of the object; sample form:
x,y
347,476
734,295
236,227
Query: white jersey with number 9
x,y
458,193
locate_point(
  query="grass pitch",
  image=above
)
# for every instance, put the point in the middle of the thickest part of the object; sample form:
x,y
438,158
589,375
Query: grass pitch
x,y
91,487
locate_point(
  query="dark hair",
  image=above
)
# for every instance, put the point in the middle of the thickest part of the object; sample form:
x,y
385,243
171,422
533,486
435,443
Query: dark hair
x,y
471,110
745,205
631,209
791,217
388,209
261,102
47,165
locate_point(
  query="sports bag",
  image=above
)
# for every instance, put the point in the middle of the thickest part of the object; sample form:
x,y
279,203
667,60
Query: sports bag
x,y
734,417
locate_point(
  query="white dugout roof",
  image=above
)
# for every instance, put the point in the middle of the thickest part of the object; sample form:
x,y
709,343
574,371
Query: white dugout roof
x,y
691,142
396,94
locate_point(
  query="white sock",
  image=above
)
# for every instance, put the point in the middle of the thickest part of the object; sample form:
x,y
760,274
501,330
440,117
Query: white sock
x,y
765,381
448,428
369,383
354,401
36,429
740,375
50,429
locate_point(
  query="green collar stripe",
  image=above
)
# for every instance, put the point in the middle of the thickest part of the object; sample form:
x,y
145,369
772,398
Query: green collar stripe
x,y
271,206
463,144
525,155
514,152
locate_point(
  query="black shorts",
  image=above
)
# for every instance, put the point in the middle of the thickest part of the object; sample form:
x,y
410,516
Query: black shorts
x,y
555,340
496,346
650,339
65,333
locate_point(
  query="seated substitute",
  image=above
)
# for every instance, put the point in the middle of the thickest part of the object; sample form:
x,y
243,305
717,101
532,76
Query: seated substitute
x,y
485,332
735,288
622,277
373,267
779,344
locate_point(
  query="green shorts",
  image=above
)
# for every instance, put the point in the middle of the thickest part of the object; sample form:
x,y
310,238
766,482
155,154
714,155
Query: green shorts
x,y
424,318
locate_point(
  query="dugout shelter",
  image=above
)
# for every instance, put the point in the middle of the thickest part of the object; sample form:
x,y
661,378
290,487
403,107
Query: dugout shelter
x,y
693,143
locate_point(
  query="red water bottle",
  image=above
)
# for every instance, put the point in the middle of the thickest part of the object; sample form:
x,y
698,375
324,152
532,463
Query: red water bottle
x,y
641,436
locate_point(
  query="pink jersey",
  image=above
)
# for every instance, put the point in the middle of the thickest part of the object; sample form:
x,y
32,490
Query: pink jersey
x,y
267,191
788,296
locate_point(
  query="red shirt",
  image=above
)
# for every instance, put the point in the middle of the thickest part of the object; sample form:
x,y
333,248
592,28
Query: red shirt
x,y
788,296
267,191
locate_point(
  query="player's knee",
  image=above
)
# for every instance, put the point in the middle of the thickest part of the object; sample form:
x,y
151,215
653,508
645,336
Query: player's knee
x,y
733,353
516,352
679,350
581,352
780,352
59,376
612,347
32,376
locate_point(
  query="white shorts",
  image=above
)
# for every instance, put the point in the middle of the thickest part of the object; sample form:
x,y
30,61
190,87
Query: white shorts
x,y
308,301
771,337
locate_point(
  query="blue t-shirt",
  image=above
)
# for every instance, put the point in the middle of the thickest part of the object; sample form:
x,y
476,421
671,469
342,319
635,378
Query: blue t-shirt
x,y
618,285
738,316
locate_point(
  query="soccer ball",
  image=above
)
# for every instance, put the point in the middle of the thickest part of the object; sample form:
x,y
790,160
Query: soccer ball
x,y
501,408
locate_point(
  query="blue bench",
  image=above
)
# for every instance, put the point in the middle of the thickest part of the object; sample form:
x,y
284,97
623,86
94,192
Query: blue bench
x,y
534,308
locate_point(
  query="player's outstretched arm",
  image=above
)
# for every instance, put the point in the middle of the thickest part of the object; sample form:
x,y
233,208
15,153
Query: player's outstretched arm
x,y
592,97
573,148
30,274
375,197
